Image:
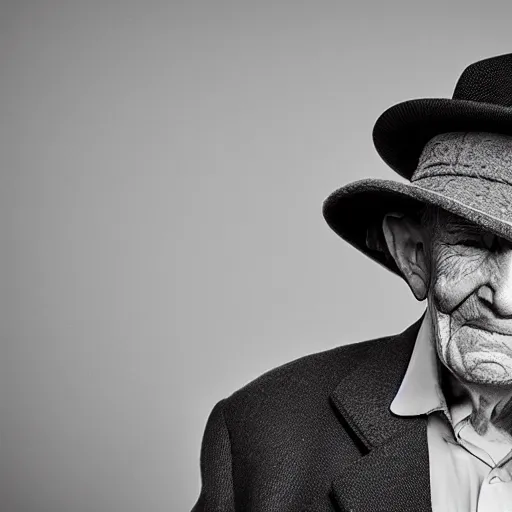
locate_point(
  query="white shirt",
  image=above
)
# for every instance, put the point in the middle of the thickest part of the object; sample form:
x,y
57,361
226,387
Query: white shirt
x,y
468,472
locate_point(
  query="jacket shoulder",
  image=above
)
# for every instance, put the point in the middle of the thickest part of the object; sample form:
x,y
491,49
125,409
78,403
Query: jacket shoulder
x,y
309,379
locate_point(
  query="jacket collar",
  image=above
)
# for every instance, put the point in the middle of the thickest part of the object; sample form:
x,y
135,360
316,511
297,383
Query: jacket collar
x,y
393,471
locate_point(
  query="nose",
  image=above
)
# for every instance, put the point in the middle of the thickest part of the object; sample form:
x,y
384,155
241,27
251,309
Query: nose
x,y
501,282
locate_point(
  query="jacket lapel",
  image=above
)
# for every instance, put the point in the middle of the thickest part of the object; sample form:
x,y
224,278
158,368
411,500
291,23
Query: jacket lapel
x,y
392,473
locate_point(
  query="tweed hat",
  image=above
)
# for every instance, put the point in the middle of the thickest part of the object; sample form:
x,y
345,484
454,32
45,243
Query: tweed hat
x,y
454,153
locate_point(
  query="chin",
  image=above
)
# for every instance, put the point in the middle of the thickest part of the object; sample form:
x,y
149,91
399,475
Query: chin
x,y
481,357
487,373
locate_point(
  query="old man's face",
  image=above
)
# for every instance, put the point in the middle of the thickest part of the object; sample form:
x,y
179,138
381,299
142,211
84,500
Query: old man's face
x,y
466,275
470,298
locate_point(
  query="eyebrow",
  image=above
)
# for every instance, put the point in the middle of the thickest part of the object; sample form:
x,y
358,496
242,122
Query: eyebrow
x,y
453,227
456,225
474,230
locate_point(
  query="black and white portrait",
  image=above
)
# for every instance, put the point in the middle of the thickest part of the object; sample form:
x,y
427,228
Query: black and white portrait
x,y
257,256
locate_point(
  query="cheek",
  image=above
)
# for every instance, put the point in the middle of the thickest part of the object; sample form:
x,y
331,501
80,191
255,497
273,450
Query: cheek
x,y
455,277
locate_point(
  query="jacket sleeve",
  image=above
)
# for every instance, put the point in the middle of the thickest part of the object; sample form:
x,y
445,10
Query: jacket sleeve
x,y
216,474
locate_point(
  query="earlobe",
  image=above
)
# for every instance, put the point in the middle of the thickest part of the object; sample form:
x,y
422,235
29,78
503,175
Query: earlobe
x,y
406,244
418,286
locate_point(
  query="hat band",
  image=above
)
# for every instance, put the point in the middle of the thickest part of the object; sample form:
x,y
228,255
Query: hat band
x,y
481,155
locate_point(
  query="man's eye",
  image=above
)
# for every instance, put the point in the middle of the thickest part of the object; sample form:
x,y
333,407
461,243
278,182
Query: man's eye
x,y
487,241
471,243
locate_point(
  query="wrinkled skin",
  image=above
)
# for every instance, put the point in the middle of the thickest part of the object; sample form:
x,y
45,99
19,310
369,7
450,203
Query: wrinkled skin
x,y
470,299
470,296
466,275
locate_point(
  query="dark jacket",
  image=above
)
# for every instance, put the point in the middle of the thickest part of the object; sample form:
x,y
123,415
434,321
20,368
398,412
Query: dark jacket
x,y
317,435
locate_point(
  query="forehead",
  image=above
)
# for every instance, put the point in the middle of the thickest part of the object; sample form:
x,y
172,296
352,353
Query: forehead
x,y
447,224
453,222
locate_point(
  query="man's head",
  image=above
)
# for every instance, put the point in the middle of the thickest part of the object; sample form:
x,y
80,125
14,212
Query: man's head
x,y
465,273
456,155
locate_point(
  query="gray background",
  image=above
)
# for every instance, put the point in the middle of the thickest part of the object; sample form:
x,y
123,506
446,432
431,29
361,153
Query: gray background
x,y
163,166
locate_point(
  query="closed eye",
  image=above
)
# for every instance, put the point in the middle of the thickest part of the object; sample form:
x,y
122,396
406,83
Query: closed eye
x,y
487,241
471,243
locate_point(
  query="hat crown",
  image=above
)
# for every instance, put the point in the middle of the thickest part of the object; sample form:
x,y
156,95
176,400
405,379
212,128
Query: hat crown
x,y
482,101
481,155
487,81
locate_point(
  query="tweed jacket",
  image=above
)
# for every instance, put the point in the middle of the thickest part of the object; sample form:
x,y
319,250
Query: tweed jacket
x,y
317,435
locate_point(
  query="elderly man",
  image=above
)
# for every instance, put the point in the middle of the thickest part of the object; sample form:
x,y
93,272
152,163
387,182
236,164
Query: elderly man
x,y
419,421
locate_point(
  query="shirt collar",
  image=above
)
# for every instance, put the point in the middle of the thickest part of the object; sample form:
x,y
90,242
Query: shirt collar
x,y
420,391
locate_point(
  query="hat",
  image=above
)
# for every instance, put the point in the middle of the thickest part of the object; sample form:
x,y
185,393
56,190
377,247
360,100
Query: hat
x,y
455,153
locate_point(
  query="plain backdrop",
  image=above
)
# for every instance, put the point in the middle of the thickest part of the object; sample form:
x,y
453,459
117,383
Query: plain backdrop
x,y
163,167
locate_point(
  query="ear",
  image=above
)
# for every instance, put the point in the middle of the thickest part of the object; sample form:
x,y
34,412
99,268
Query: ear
x,y
406,241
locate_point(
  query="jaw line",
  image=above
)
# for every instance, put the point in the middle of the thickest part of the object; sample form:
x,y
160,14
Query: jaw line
x,y
442,331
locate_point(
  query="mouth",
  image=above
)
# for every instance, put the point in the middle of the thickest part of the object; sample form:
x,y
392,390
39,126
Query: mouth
x,y
503,327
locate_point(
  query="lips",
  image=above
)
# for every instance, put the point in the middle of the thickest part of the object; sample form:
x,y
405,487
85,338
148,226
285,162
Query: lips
x,y
493,326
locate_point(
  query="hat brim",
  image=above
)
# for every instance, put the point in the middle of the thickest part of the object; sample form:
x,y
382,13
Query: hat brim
x,y
354,209
401,132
